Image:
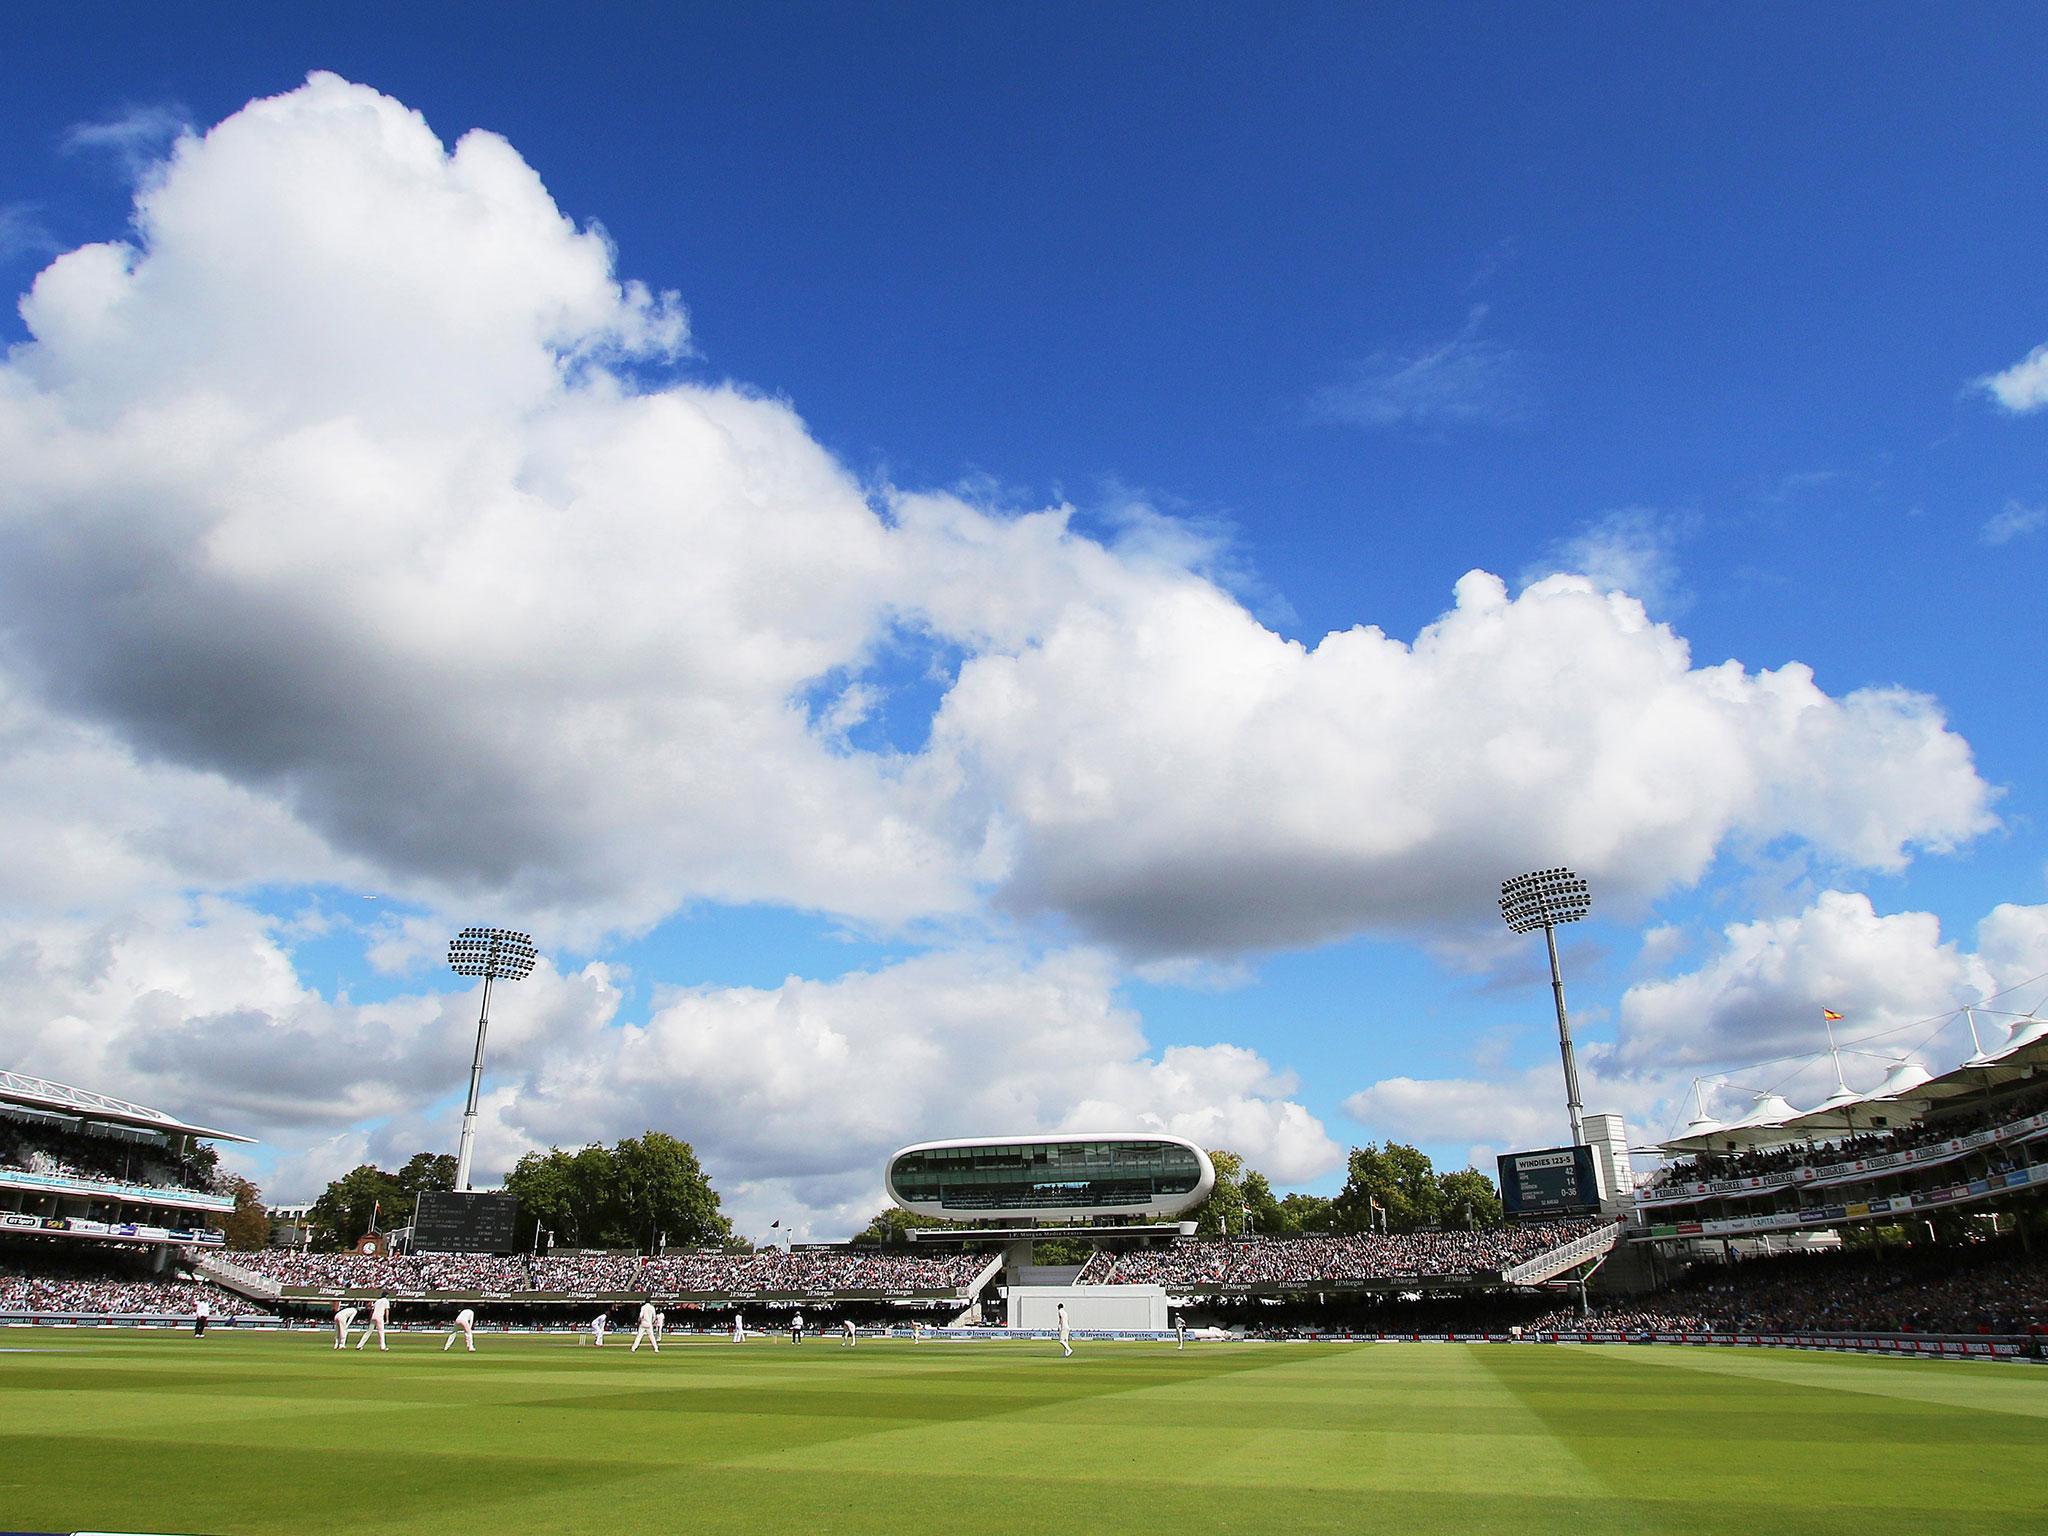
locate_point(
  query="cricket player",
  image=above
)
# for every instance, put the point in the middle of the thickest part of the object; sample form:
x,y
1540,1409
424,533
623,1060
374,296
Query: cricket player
x,y
465,1325
646,1331
917,1331
1180,1330
597,1327
344,1319
200,1313
852,1337
739,1329
380,1314
1065,1347
796,1328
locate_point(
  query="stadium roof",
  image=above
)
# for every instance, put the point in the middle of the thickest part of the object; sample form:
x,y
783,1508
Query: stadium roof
x,y
1773,1122
63,1099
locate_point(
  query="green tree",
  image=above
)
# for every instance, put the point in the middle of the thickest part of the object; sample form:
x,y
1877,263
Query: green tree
x,y
427,1172
1467,1198
1224,1209
663,1191
1268,1215
893,1225
647,1188
1307,1213
247,1226
343,1212
1400,1178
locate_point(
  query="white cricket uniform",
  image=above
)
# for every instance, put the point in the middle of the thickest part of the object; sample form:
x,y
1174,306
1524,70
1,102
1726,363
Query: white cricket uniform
x,y
1180,1331
1065,1347
739,1328
465,1325
646,1330
852,1338
597,1327
380,1314
344,1319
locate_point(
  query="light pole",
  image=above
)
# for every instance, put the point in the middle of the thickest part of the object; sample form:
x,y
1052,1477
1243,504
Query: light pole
x,y
1543,899
496,954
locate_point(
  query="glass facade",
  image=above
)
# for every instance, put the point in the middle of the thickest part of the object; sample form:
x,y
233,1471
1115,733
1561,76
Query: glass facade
x,y
1060,1175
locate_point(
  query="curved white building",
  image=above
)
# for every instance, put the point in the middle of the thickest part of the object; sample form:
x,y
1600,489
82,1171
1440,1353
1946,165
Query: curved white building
x,y
1142,1174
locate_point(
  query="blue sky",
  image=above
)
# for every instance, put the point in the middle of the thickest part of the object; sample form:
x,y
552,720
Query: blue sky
x,y
1300,315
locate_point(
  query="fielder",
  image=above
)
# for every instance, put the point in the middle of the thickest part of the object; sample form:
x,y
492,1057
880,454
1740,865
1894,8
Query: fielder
x,y
380,1314
852,1338
647,1329
1065,1348
1180,1331
597,1327
739,1329
465,1325
344,1319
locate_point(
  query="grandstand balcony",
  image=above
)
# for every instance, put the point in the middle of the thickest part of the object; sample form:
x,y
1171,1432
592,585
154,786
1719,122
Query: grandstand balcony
x,y
151,1195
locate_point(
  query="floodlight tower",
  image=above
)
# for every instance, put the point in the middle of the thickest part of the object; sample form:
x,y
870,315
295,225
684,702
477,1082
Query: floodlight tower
x,y
1543,899
496,954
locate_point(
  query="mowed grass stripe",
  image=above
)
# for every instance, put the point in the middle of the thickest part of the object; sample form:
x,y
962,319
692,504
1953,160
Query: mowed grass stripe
x,y
261,1434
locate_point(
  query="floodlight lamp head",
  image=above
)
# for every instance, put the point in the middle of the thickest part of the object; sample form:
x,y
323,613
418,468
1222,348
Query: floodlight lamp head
x,y
1543,899
498,953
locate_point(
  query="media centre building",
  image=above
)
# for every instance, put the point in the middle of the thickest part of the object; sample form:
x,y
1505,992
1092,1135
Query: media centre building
x,y
1098,1185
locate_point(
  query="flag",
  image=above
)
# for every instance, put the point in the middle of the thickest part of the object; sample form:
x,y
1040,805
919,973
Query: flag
x,y
1830,1014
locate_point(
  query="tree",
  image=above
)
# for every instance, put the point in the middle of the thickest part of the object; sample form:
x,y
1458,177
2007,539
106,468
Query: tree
x,y
1307,1213
663,1191
1400,1178
1223,1211
1467,1198
247,1226
427,1172
647,1189
1268,1215
894,1224
344,1211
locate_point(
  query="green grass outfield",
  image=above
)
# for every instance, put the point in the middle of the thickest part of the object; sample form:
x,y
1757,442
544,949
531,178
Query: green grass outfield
x,y
278,1433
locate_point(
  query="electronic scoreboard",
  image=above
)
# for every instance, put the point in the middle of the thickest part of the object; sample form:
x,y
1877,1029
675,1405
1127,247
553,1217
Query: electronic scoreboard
x,y
464,1222
1557,1181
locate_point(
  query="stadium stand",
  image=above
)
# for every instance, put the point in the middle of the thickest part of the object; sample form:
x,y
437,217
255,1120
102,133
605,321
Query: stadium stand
x,y
1185,1267
801,1273
101,1280
1994,1287
78,1166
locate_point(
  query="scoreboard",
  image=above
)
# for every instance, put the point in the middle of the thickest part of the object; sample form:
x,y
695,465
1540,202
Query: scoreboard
x,y
1557,1181
464,1222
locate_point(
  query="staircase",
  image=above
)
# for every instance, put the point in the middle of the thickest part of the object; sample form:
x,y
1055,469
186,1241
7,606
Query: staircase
x,y
229,1275
1551,1264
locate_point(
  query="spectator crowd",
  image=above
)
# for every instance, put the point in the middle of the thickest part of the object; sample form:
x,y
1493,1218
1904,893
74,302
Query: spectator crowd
x,y
44,1278
801,1272
1308,1260
1760,1162
37,1146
